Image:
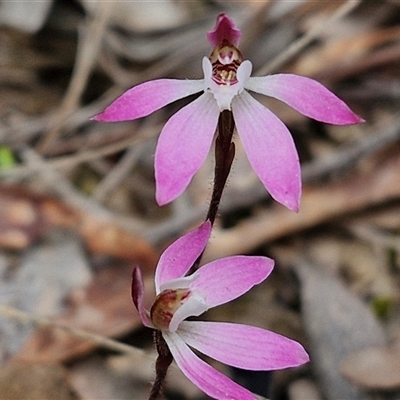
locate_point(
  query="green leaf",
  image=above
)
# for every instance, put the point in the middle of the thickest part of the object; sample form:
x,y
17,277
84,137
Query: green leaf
x,y
7,159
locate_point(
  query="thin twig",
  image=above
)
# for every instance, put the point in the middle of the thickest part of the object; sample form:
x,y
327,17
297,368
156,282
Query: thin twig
x,y
306,39
88,48
376,140
32,127
70,161
57,182
62,186
114,178
374,235
42,322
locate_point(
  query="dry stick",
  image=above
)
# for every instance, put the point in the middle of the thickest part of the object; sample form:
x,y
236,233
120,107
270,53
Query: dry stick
x,y
24,130
86,57
70,161
61,185
32,127
94,138
65,189
253,26
42,322
117,174
375,141
306,39
373,234
378,58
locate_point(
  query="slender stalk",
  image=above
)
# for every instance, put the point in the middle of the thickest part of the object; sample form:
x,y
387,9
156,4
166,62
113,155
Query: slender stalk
x,y
163,362
224,154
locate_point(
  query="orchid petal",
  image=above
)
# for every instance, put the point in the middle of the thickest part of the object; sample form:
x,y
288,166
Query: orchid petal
x,y
224,30
205,377
137,296
224,94
180,256
243,346
243,72
193,307
270,149
305,95
226,279
183,146
178,283
143,99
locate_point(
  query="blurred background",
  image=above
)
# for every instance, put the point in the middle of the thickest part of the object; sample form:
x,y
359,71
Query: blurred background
x,y
77,206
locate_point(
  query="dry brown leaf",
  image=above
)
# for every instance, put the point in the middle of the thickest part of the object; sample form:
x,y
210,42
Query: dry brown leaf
x,y
106,238
25,216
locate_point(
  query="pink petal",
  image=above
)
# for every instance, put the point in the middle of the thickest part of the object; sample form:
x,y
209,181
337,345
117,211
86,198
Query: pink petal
x,y
180,255
148,97
183,146
224,30
305,95
228,278
137,296
208,379
243,346
269,148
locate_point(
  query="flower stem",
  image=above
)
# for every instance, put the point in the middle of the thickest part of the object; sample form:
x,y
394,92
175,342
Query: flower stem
x,y
224,154
164,360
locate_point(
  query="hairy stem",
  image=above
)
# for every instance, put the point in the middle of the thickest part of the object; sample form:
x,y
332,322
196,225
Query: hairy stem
x,y
163,362
224,154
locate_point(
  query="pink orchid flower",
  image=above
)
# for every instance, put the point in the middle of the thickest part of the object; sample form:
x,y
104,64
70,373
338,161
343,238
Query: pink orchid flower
x,y
187,136
180,296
